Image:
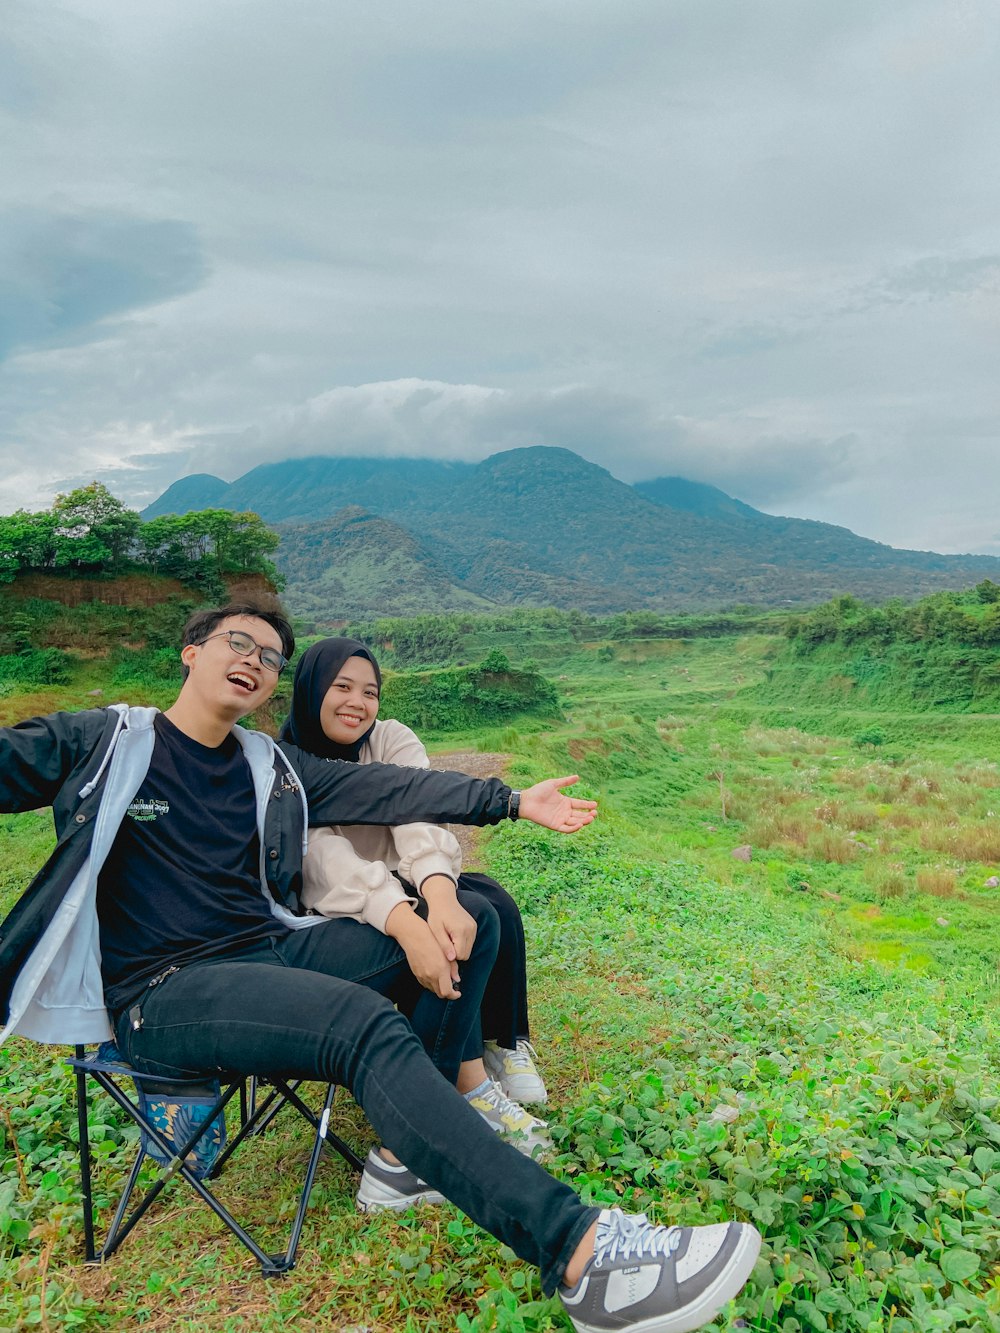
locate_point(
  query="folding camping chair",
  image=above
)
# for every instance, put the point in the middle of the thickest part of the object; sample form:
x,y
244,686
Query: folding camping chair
x,y
183,1130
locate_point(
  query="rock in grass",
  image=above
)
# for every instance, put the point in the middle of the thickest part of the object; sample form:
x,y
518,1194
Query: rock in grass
x,y
992,883
742,853
724,1115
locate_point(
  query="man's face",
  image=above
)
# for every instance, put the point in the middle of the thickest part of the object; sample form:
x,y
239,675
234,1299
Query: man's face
x,y
235,683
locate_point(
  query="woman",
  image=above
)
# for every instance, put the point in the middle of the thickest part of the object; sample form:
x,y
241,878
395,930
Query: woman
x,y
408,883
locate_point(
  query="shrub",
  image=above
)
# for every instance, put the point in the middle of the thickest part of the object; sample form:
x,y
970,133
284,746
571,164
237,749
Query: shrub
x,y
496,662
832,845
461,698
938,881
41,666
887,881
873,735
137,666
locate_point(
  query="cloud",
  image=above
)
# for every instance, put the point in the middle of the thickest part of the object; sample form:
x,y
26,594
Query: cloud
x,y
413,418
62,275
769,471
936,277
430,419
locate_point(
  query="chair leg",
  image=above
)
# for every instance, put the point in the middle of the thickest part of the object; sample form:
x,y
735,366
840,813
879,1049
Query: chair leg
x,y
321,1126
121,1229
86,1194
317,1148
113,1237
249,1124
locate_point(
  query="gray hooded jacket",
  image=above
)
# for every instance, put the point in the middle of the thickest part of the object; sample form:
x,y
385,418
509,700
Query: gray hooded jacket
x,y
88,766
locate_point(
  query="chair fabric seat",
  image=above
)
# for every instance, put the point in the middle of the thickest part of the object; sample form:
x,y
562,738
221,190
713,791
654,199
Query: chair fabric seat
x,y
176,1108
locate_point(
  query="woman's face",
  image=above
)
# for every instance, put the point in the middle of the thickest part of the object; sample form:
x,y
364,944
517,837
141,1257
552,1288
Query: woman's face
x,y
350,705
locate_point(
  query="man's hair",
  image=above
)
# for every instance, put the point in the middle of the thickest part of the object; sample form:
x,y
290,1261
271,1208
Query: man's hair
x,y
204,623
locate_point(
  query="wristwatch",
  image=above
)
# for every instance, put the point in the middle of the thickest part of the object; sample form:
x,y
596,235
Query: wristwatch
x,y
514,805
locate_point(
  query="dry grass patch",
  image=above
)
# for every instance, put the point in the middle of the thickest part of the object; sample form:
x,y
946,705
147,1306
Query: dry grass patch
x,y
937,880
832,845
781,828
783,740
671,731
978,774
886,881
967,842
900,816
746,803
861,818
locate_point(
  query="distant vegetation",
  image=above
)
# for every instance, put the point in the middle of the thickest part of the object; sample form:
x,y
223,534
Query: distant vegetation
x,y
490,694
90,532
545,633
941,652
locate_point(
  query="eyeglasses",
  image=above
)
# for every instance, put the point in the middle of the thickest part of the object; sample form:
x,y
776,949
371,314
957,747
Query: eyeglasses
x,y
243,645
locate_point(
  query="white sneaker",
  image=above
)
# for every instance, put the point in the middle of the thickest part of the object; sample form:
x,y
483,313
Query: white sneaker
x,y
526,1132
394,1187
659,1279
515,1071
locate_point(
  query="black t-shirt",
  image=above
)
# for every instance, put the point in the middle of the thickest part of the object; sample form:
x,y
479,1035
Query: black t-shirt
x,y
182,880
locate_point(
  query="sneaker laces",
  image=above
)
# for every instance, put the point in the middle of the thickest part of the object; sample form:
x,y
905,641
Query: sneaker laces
x,y
522,1057
499,1100
632,1235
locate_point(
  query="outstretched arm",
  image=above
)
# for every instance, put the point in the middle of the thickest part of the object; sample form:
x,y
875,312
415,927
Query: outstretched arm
x,y
37,756
342,793
545,804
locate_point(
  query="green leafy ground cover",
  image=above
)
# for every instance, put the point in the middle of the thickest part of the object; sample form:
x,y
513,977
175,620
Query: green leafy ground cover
x,y
839,990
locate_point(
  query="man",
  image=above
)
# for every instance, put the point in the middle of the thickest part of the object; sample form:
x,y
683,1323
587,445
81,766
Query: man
x,y
170,903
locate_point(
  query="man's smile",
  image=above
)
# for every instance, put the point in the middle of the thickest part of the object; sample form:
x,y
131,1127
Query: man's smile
x,y
244,680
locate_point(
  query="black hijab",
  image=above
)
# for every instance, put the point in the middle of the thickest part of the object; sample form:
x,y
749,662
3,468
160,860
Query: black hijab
x,y
319,666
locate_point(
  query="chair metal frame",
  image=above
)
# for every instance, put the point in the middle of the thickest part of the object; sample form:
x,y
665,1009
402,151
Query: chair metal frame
x,y
255,1115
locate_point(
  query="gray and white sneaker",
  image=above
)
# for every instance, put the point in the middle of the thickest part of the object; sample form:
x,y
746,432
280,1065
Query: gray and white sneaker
x,y
515,1070
651,1279
396,1187
525,1131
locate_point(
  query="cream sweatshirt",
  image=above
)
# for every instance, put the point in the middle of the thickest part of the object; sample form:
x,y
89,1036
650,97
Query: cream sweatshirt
x,y
348,868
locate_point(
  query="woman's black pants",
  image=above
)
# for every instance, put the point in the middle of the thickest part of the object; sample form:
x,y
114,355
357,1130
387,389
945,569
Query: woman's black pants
x,y
504,1009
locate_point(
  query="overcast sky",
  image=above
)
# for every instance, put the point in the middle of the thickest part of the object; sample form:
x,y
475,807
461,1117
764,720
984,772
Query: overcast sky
x,y
753,244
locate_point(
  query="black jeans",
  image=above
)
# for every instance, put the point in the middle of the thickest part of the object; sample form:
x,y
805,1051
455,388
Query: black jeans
x,y
284,1008
505,1002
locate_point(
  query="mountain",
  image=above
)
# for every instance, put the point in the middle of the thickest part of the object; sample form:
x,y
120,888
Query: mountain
x,y
346,566
695,497
200,491
542,526
300,490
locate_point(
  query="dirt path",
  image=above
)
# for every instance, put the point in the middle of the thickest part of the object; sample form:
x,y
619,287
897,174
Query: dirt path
x,y
477,766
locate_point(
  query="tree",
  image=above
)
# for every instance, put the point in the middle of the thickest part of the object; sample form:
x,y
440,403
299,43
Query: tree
x,y
26,542
89,529
93,528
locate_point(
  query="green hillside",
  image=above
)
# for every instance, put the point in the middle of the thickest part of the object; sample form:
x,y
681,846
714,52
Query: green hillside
x,y
346,565
941,653
541,526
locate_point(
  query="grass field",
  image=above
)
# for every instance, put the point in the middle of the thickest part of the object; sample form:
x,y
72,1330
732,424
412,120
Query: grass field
x,y
838,990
